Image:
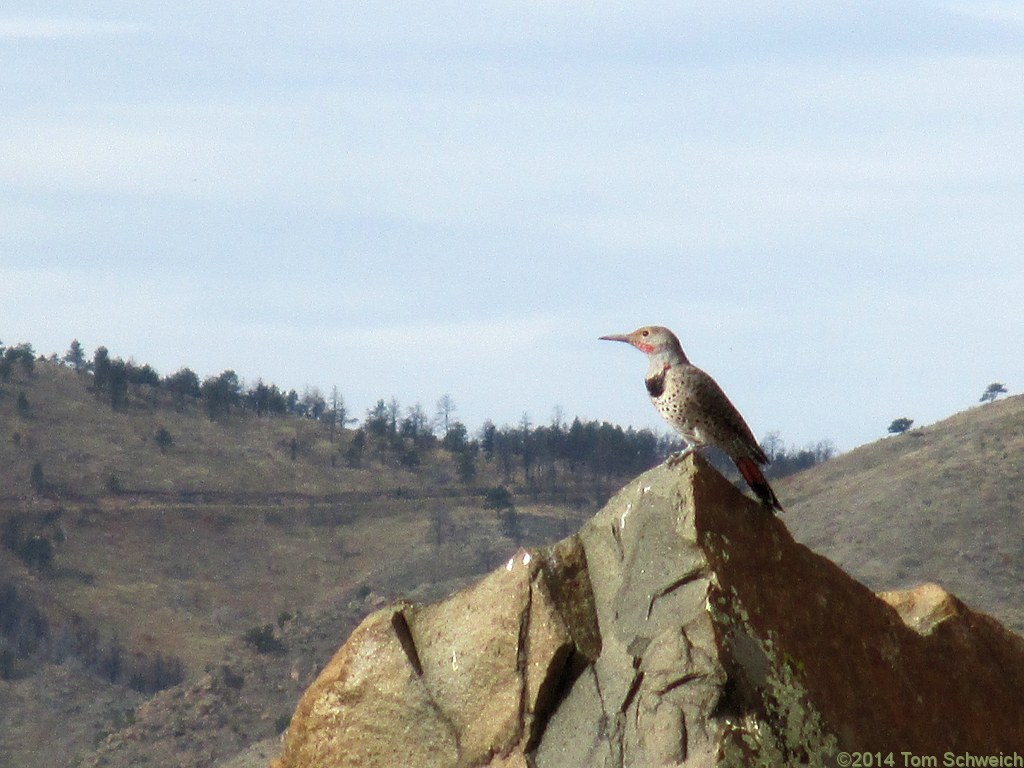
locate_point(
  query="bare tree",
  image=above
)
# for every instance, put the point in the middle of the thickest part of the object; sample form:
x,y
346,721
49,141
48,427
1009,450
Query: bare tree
x,y
772,445
440,526
337,416
393,409
445,411
558,418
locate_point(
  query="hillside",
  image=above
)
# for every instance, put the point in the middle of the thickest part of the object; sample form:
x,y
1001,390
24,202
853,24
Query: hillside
x,y
80,443
139,567
941,503
126,568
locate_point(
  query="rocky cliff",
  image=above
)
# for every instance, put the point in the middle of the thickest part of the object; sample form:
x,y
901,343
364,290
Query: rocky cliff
x,y
682,626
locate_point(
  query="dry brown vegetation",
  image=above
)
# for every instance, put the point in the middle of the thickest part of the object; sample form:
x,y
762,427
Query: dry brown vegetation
x,y
191,549
941,503
189,546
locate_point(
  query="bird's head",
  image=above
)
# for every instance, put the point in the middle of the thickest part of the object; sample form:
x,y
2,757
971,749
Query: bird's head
x,y
653,340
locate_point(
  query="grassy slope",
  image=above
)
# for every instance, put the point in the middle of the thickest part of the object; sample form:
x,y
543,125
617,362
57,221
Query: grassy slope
x,y
182,573
942,503
222,533
81,442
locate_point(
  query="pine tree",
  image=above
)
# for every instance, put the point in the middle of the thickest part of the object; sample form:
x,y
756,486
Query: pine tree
x,y
75,356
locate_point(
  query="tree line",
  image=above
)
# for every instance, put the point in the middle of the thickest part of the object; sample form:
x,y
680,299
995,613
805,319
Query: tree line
x,y
534,454
220,395
545,454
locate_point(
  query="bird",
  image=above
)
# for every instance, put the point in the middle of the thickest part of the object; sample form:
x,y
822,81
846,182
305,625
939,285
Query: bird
x,y
696,407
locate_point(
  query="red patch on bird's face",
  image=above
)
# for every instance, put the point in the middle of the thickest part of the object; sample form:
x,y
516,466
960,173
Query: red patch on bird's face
x,y
644,347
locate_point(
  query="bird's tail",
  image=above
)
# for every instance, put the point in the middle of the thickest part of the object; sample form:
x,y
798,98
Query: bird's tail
x,y
755,479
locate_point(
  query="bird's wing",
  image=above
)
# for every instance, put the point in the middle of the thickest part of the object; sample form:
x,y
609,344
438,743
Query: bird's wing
x,y
728,430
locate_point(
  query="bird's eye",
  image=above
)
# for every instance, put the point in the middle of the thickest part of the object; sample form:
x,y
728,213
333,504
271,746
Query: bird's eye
x,y
645,333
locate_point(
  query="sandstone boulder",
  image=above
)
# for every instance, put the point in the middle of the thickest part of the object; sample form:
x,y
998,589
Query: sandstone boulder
x,y
682,626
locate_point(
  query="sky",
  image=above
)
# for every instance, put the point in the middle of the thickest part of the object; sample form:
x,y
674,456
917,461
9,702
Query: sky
x,y
823,200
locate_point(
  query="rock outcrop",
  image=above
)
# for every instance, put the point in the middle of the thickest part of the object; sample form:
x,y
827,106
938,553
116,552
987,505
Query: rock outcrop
x,y
682,626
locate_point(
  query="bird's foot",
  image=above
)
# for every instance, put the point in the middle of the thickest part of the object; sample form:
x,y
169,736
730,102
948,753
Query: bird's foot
x,y
677,457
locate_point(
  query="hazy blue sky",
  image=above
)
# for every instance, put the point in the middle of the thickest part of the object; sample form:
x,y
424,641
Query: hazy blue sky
x,y
824,200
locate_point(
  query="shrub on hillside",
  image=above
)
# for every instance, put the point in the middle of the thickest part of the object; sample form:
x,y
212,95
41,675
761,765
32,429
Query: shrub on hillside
x,y
263,641
6,664
37,479
114,484
498,498
23,627
152,673
164,439
33,549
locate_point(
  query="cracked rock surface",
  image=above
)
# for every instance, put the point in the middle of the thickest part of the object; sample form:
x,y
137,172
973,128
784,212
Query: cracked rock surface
x,y
682,626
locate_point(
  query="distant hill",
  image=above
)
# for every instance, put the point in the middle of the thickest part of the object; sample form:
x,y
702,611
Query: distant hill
x,y
137,563
941,503
149,543
157,527
81,443
71,435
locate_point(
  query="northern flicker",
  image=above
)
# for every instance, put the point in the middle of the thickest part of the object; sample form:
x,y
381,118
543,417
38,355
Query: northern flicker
x,y
697,408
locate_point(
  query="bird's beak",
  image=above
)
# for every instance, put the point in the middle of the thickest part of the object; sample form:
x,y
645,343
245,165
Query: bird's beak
x,y
617,337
